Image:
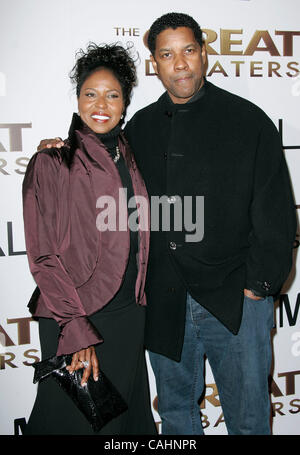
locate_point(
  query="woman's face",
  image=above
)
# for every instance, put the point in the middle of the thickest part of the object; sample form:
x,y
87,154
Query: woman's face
x,y
100,101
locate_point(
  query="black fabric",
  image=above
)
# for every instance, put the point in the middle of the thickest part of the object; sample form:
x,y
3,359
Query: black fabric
x,y
122,358
226,149
126,293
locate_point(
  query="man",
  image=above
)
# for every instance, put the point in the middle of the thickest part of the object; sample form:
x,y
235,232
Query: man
x,y
211,297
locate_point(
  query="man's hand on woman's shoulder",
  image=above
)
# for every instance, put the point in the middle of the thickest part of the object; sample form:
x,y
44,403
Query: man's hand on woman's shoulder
x,y
49,143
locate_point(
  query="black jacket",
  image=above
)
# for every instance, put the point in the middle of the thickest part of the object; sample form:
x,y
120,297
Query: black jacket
x,y
226,149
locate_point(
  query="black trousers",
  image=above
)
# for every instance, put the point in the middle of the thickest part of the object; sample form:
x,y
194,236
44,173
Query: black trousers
x,y
122,358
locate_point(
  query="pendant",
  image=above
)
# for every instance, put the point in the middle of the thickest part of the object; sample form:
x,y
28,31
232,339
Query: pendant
x,y
117,156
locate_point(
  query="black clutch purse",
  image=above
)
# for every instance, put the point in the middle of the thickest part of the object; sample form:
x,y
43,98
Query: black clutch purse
x,y
99,400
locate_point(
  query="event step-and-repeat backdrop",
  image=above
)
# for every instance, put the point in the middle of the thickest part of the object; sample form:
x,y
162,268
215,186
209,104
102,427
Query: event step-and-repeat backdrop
x,y
253,50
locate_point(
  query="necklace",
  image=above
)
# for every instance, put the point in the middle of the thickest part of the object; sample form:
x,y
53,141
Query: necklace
x,y
117,155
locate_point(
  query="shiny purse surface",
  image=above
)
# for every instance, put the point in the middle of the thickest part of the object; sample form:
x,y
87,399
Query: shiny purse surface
x,y
99,401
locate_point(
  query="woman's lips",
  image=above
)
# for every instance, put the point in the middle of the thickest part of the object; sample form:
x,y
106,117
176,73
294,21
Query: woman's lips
x,y
101,118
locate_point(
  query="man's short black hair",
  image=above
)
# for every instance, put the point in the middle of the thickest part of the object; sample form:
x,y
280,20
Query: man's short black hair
x,y
173,20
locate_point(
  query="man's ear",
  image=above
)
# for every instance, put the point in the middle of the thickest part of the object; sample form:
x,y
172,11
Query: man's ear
x,y
204,58
204,53
154,64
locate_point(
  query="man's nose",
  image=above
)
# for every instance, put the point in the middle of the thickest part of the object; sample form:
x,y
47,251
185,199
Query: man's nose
x,y
180,63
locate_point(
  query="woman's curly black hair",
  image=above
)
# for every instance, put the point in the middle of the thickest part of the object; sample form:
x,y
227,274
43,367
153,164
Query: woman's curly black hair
x,y
113,57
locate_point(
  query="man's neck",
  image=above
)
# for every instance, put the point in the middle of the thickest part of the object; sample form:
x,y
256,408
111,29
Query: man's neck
x,y
199,94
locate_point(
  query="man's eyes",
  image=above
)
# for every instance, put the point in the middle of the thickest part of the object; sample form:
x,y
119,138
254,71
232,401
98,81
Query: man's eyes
x,y
188,51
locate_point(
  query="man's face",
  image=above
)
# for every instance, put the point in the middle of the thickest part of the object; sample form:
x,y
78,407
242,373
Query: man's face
x,y
179,62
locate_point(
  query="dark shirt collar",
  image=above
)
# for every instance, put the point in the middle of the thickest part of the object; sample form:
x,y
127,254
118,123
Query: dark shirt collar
x,y
110,139
197,96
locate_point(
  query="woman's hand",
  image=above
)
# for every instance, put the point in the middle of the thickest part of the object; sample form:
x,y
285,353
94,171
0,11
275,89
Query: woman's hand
x,y
90,358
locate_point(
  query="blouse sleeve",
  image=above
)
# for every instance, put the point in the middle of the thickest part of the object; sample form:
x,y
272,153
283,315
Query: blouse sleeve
x,y
41,221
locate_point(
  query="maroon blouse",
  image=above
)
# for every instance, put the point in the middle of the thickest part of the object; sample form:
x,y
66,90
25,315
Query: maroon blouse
x,y
77,268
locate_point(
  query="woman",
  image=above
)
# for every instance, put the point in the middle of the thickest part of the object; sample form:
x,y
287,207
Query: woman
x,y
90,275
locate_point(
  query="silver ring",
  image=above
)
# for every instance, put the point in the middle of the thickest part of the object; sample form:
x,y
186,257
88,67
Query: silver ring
x,y
85,363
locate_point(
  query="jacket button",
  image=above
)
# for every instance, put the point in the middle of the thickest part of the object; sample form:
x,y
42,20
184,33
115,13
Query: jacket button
x,y
172,245
266,286
171,199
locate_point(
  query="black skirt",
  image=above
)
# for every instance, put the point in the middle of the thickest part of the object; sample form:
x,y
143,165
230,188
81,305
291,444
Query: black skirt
x,y
122,358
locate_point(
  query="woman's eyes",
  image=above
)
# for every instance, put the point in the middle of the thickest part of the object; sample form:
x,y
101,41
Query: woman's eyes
x,y
109,95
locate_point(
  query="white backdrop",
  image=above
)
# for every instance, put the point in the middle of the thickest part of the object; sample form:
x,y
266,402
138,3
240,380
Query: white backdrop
x,y
254,51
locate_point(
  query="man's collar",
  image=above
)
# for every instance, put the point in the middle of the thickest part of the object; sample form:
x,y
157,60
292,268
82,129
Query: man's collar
x,y
197,96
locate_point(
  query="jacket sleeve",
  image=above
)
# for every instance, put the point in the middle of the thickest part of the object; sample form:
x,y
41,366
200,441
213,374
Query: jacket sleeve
x,y
273,216
41,221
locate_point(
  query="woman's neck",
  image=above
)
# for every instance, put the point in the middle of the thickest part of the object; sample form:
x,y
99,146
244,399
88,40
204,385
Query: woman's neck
x,y
110,139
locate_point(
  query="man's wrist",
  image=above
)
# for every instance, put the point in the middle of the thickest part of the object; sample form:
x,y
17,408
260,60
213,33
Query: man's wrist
x,y
253,294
